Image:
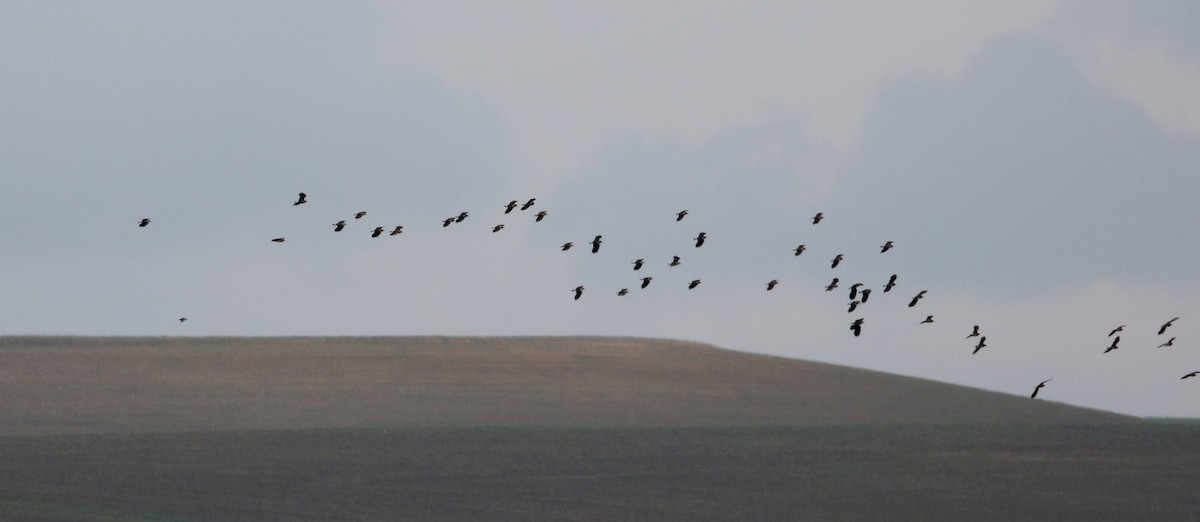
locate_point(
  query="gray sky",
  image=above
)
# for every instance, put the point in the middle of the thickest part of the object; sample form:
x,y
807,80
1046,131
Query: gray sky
x,y
1036,163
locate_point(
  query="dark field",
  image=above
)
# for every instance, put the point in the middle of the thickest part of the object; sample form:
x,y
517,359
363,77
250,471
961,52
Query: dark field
x,y
547,429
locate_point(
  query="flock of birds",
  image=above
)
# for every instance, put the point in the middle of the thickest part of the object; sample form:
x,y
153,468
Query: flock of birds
x,y
857,294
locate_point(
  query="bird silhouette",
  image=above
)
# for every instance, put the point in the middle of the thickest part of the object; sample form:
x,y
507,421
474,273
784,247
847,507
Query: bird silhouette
x,y
182,319
1190,375
1115,330
596,244
836,259
700,239
360,214
510,206
856,326
1170,342
578,292
890,284
771,284
693,284
831,285
397,231
886,246
799,250
928,319
540,216
622,291
337,227
646,281
144,222
974,332
278,240
567,246
679,216
675,261
446,222
528,204
637,264
817,218
854,289
1113,346
853,306
864,294
461,217
1166,325
301,199
920,295
1039,386
498,228
377,232
982,343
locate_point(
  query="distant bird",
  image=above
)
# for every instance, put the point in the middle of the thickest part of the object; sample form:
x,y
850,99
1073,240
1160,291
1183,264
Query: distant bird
x,y
1166,325
182,319
886,246
831,285
693,284
278,240
817,218
498,228
567,246
622,291
540,216
337,227
679,216
1170,342
359,215
928,319
982,343
510,206
144,222
700,239
853,305
446,222
596,244
675,261
578,292
920,295
1115,330
1113,346
1193,374
836,259
397,231
854,289
799,250
1039,386
974,332
528,203
461,217
856,326
771,284
301,200
637,264
646,281
890,284
864,294
377,232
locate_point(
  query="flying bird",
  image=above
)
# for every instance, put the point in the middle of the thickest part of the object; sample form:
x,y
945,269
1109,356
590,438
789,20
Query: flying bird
x,y
700,239
771,284
974,332
397,231
578,292
1039,386
675,261
832,285
1166,325
540,215
596,244
278,240
817,218
622,292
646,281
377,232
928,319
1113,346
1170,342
182,319
856,326
1115,330
920,295
360,214
864,294
301,200
799,250
854,289
693,284
679,216
980,345
853,305
461,217
528,203
446,222
510,206
1193,374
337,227
498,228
567,246
836,259
144,222
886,246
637,264
890,284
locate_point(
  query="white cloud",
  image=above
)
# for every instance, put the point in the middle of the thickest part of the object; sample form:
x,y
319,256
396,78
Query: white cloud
x,y
1149,74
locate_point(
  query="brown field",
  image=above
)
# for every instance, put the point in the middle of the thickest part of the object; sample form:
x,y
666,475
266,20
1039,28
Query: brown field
x,y
120,429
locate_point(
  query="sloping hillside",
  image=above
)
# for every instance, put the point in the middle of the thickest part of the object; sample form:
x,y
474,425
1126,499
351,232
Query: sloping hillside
x,y
115,385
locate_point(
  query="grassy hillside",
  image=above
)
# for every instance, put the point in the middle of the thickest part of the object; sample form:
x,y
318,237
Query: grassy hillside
x,y
63,385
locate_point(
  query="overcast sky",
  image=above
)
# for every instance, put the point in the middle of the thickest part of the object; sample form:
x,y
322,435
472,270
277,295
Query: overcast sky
x,y
1036,163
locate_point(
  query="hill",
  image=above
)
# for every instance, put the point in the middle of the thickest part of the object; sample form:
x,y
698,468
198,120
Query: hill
x,y
79,385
